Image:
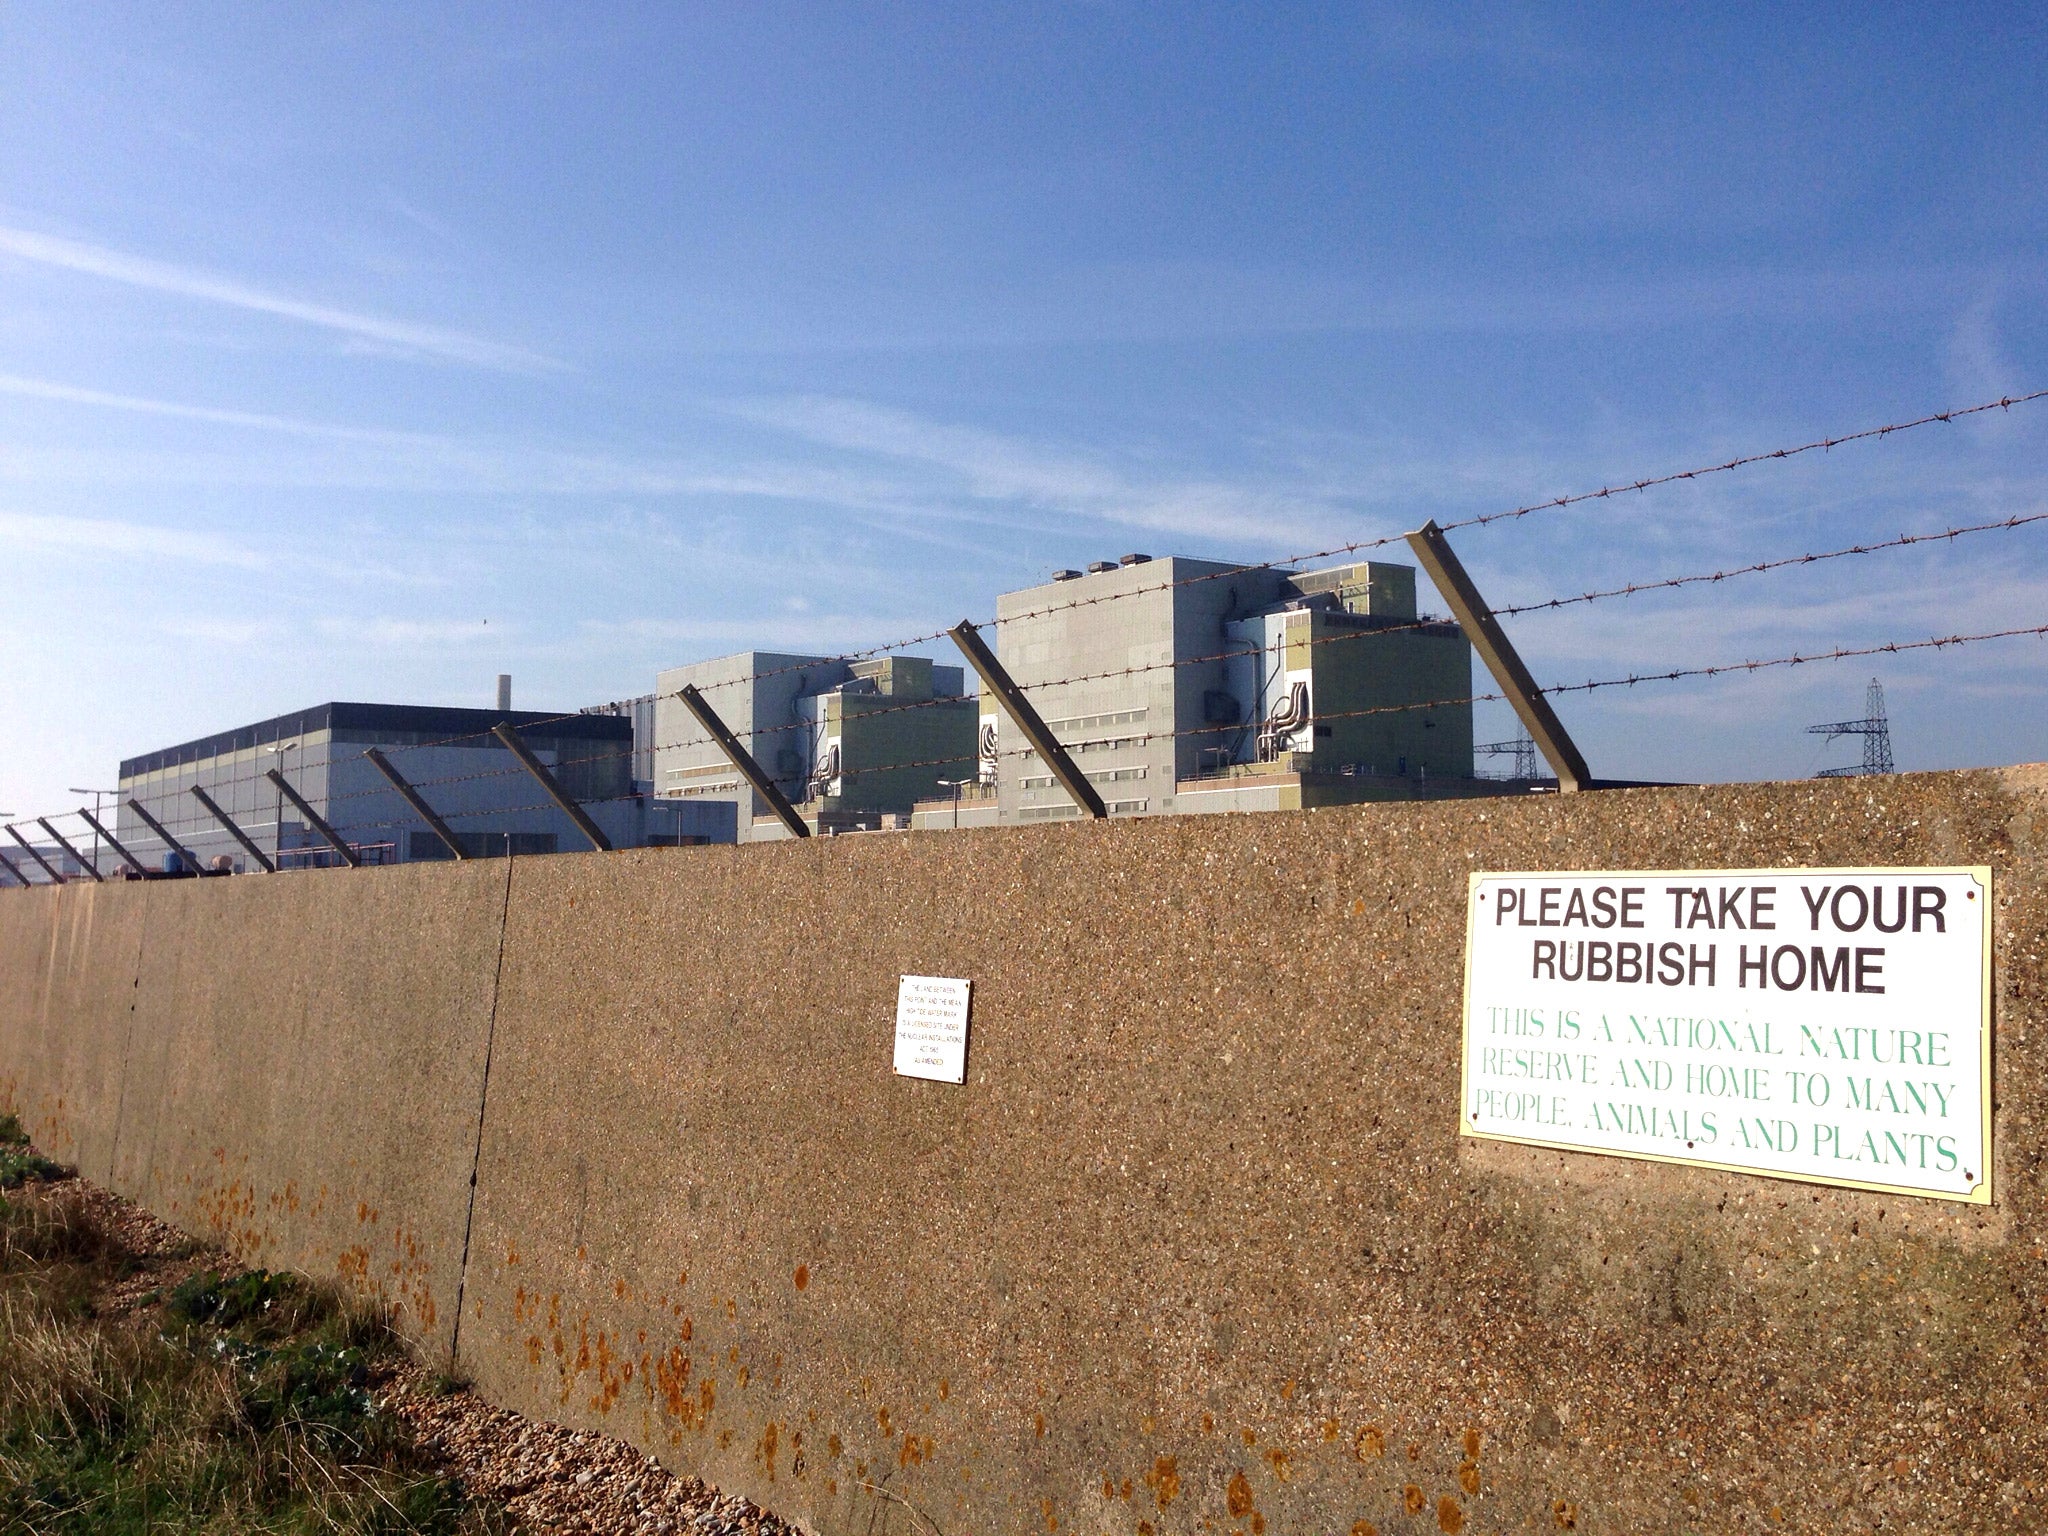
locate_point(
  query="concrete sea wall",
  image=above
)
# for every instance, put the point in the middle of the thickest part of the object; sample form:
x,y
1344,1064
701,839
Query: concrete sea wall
x,y
1195,1248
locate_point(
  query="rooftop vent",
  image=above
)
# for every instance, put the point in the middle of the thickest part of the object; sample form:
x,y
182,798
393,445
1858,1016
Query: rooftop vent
x,y
1133,559
1066,575
1097,567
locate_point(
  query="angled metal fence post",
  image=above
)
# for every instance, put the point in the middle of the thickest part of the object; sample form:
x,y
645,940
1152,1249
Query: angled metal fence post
x,y
8,865
417,801
743,760
30,849
314,819
1483,630
1027,719
238,834
533,765
163,835
76,857
114,843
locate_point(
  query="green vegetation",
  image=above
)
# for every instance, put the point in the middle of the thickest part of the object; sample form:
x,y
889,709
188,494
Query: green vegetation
x,y
234,1404
20,1163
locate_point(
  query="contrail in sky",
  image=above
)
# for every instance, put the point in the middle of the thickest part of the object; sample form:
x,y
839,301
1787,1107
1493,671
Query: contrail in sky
x,y
162,277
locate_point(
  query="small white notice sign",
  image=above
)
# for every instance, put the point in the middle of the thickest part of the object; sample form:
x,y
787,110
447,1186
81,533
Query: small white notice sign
x,y
931,1028
1831,1025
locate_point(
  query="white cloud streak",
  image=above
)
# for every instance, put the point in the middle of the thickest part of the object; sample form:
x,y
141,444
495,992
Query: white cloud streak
x,y
188,282
106,536
989,467
71,394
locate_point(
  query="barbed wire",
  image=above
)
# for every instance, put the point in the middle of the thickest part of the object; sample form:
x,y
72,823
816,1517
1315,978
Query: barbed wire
x,y
1423,623
1419,624
1901,542
1838,653
1352,547
1630,680
1225,571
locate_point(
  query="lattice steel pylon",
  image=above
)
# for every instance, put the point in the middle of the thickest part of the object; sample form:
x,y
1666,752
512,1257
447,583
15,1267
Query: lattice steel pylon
x,y
1875,730
1521,749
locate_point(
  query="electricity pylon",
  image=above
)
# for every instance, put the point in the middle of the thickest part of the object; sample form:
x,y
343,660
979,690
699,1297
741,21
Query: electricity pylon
x,y
1522,749
1875,730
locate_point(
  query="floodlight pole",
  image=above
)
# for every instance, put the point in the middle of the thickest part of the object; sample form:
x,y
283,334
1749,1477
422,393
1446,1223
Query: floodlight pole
x,y
115,843
314,819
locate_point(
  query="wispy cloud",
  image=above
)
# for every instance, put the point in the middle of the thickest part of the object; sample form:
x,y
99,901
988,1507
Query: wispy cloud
x,y
72,394
386,633
190,282
135,540
993,468
232,634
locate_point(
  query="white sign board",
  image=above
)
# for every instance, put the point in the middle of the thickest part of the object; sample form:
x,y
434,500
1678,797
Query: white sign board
x,y
1832,1025
931,1028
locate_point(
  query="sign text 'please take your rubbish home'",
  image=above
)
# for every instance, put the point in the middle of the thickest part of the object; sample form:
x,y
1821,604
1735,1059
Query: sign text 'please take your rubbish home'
x,y
1832,1025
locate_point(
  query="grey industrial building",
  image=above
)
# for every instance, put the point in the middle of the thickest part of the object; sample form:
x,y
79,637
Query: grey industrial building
x,y
1181,685
1177,685
855,745
466,775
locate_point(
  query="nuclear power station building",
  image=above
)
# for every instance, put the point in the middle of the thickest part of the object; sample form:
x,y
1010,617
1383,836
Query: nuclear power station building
x,y
853,744
1176,685
1182,685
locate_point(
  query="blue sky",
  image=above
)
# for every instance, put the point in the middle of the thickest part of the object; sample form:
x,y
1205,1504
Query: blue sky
x,y
366,353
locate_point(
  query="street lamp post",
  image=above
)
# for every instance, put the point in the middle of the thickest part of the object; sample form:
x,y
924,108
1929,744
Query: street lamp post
x,y
954,785
277,832
97,796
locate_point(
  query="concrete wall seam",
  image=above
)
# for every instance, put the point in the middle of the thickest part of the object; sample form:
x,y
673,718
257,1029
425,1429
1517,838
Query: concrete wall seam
x,y
482,1108
1196,1248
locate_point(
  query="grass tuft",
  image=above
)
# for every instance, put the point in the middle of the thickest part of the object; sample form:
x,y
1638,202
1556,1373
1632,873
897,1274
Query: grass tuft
x,y
19,1166
234,1404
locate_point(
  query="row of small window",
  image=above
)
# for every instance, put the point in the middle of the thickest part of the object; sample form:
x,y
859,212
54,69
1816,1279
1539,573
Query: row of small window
x,y
722,787
1089,722
1055,812
1100,776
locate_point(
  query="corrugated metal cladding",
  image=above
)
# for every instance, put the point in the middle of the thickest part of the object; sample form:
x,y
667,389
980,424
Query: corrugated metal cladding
x,y
379,723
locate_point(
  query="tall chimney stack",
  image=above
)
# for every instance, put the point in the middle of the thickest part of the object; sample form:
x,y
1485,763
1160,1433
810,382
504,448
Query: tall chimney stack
x,y
505,693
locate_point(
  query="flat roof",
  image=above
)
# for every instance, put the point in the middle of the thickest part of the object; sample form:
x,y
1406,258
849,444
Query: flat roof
x,y
415,719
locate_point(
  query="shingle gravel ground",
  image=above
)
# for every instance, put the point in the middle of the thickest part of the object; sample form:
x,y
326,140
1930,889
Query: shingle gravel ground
x,y
552,1481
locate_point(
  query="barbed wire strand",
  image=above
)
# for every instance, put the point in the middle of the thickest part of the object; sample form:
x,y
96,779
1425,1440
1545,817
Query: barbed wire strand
x,y
1630,680
1903,541
1420,624
1485,519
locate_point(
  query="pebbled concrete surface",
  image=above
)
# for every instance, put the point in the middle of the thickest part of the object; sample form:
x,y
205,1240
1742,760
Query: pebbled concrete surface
x,y
1196,1247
